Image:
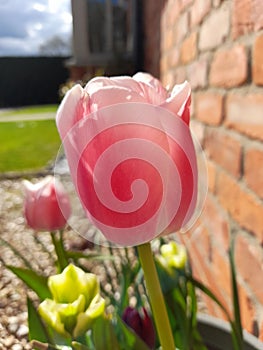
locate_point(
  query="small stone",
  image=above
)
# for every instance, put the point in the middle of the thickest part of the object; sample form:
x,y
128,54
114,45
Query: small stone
x,y
9,341
13,319
17,347
13,327
22,331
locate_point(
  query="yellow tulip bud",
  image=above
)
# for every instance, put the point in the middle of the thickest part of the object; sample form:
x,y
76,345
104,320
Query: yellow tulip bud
x,y
76,302
173,255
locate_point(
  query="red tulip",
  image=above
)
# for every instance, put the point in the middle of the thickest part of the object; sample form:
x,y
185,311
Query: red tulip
x,y
131,155
141,324
47,205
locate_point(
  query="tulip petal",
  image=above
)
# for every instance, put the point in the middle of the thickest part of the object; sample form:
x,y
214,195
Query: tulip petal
x,y
49,312
84,283
74,104
179,101
149,80
46,206
174,254
111,95
133,164
126,82
85,319
152,88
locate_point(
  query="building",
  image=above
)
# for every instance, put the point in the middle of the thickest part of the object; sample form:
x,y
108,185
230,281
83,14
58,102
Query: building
x,y
218,46
105,37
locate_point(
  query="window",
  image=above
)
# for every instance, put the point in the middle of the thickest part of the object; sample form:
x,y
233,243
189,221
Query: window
x,y
108,32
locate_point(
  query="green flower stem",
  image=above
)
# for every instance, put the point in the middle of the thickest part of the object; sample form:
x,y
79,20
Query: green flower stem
x,y
156,297
60,251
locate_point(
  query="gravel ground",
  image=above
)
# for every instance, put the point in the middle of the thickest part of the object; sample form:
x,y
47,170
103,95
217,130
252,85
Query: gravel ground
x,y
36,248
38,251
13,315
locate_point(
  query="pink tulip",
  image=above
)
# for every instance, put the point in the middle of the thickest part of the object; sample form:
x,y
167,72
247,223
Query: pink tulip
x,y
47,205
131,155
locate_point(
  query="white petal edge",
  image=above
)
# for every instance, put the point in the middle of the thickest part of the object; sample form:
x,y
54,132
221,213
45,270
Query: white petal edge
x,y
67,109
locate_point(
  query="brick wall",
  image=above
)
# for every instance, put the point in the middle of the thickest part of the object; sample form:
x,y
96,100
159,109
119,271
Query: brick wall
x,y
218,47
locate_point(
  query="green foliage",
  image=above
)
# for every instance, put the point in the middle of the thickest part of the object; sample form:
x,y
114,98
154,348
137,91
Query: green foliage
x,y
78,346
129,339
109,331
37,329
33,280
62,259
180,297
104,335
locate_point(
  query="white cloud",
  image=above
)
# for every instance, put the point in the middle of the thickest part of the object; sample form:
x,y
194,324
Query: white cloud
x,y
24,26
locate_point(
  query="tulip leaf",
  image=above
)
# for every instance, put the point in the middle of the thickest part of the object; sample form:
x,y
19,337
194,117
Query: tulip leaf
x,y
78,346
37,329
210,294
36,282
79,255
104,336
131,340
237,325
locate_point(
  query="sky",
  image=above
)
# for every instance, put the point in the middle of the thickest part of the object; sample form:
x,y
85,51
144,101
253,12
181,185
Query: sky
x,y
25,25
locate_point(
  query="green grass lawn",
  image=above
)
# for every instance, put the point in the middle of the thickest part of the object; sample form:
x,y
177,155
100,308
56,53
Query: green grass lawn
x,y
30,110
28,145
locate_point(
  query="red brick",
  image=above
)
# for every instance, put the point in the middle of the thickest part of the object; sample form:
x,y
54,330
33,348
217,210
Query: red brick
x,y
173,57
246,16
189,49
167,39
211,173
209,107
244,114
261,332
181,28
185,3
253,170
172,12
229,67
197,73
168,79
200,237
257,61
247,310
198,131
224,149
164,64
179,75
249,263
217,3
215,28
242,206
221,269
199,10
216,222
203,272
